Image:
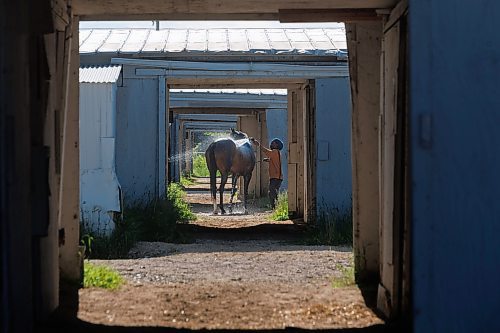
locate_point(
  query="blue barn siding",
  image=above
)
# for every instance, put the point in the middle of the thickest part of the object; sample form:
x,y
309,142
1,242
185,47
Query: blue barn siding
x,y
277,127
333,143
455,154
136,139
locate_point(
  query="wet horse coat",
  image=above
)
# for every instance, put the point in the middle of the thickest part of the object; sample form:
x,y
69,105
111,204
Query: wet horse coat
x,y
233,155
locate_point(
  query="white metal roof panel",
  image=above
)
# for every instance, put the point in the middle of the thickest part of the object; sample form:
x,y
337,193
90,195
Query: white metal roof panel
x,y
100,74
177,40
156,41
115,41
264,41
94,41
237,40
136,40
257,39
217,40
83,35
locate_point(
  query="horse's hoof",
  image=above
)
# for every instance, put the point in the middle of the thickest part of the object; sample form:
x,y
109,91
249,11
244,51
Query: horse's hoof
x,y
245,212
223,212
216,212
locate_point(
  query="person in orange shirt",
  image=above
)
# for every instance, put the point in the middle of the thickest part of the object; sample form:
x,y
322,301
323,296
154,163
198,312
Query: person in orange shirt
x,y
275,175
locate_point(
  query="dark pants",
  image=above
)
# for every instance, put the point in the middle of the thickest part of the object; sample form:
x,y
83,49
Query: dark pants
x,y
274,186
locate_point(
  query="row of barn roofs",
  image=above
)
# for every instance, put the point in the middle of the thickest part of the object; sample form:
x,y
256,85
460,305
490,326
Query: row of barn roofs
x,y
317,42
111,73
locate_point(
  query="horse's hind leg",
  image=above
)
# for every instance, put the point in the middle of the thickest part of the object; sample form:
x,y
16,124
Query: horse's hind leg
x,y
233,191
246,181
223,180
213,189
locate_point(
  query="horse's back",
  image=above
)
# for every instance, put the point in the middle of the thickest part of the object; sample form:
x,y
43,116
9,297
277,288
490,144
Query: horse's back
x,y
244,160
222,151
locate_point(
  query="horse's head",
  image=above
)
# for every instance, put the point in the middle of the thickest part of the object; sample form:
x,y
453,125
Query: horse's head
x,y
237,135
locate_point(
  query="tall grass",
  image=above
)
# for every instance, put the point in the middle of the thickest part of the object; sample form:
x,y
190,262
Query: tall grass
x,y
200,168
280,212
333,227
153,221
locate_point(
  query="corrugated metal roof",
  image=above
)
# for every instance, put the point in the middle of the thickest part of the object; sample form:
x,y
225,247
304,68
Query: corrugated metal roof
x,y
233,91
100,74
331,41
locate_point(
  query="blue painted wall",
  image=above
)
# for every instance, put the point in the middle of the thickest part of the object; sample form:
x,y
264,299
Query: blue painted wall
x,y
277,127
455,168
136,139
333,143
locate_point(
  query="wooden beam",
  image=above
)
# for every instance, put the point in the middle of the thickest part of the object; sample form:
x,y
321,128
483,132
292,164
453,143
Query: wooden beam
x,y
209,9
236,86
327,15
216,110
153,16
233,82
398,11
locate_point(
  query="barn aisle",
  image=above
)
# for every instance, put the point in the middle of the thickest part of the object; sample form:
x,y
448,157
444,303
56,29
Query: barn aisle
x,y
242,272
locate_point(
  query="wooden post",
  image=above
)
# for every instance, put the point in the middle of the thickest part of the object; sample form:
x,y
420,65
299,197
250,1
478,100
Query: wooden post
x,y
364,45
69,212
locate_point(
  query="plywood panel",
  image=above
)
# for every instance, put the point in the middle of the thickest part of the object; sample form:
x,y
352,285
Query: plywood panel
x,y
364,41
292,187
300,152
389,255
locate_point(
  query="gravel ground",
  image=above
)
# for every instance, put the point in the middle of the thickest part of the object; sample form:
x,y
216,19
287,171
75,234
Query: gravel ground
x,y
249,278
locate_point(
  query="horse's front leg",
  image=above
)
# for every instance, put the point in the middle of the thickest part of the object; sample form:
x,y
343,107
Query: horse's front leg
x,y
233,191
223,181
246,181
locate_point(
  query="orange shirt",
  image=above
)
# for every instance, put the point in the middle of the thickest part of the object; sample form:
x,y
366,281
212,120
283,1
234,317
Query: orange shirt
x,y
274,162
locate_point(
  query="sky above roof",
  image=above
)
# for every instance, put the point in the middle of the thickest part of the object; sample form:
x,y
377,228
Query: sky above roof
x,y
203,24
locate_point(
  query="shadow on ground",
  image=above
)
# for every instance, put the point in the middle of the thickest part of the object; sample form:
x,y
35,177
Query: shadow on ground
x,y
78,326
266,231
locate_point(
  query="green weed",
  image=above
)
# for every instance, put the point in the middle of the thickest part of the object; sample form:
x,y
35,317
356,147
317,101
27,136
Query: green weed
x,y
347,276
186,181
100,277
280,212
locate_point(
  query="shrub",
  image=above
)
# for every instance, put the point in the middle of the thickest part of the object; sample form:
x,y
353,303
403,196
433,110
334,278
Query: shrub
x,y
176,198
280,212
100,277
153,221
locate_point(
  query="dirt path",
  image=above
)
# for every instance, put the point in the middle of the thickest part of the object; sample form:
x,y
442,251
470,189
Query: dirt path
x,y
241,273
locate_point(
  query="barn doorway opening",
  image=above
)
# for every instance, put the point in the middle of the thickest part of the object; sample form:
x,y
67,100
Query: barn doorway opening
x,y
240,271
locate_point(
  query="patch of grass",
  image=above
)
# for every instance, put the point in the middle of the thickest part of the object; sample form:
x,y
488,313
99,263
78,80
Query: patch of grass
x,y
155,221
200,168
333,227
186,181
176,197
347,276
100,277
280,212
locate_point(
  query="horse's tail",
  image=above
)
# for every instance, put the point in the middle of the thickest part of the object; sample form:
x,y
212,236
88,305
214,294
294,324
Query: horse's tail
x,y
212,168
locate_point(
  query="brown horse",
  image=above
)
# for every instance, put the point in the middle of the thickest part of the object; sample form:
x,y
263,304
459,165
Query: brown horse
x,y
233,155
